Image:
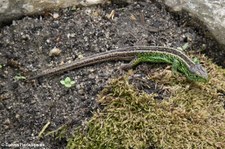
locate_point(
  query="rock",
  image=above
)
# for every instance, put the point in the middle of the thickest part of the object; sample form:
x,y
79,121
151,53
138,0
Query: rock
x,y
10,9
210,12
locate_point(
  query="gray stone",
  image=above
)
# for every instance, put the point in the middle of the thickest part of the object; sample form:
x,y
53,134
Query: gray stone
x,y
13,9
210,12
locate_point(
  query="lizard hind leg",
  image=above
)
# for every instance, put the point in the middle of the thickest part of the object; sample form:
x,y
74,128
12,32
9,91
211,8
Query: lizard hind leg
x,y
140,59
131,64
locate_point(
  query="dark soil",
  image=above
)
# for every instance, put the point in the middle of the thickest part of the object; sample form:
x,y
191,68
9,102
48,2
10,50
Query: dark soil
x,y
25,107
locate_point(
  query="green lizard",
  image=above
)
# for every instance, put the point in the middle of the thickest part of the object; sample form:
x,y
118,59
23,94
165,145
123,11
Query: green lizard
x,y
138,54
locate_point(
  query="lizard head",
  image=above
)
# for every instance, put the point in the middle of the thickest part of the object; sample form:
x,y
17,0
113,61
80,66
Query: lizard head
x,y
199,73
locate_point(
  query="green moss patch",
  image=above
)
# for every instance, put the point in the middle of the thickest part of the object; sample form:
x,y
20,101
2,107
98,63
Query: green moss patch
x,y
193,117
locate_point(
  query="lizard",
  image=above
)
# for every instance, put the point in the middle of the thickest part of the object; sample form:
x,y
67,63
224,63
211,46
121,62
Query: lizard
x,y
137,54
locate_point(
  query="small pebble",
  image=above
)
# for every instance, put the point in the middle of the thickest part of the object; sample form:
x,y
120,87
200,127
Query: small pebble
x,y
55,52
55,15
7,121
17,116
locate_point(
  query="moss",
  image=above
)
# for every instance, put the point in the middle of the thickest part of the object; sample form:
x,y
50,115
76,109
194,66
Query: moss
x,y
193,117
